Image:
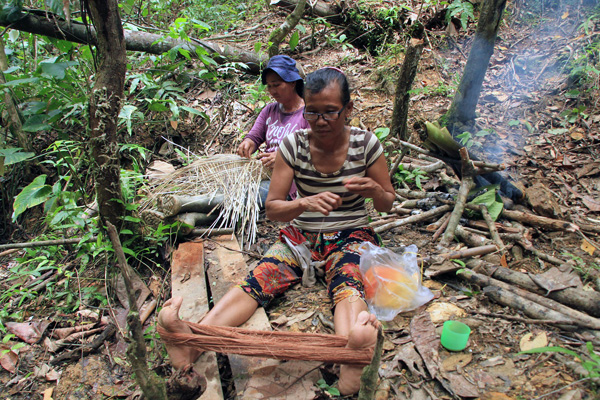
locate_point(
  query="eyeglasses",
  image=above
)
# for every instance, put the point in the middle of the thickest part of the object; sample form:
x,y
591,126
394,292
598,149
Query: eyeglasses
x,y
327,116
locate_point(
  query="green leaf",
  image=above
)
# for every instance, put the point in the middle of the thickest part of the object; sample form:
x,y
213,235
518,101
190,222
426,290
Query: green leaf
x,y
18,82
196,112
333,391
294,40
36,123
127,113
32,195
14,155
492,201
55,70
554,349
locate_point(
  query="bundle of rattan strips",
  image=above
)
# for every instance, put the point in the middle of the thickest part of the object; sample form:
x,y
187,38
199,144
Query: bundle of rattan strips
x,y
279,345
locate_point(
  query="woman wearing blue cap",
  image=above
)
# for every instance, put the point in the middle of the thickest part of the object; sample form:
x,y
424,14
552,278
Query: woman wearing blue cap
x,y
280,118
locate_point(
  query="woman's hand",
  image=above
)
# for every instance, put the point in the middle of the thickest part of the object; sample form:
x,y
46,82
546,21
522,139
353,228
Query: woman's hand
x,y
246,148
323,203
267,159
365,186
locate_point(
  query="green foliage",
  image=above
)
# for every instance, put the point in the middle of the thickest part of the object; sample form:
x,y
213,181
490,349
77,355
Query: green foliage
x,y
462,10
469,140
489,198
332,391
415,176
586,270
381,133
590,361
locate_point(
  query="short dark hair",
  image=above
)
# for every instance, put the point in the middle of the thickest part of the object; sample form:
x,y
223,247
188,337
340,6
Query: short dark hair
x,y
316,81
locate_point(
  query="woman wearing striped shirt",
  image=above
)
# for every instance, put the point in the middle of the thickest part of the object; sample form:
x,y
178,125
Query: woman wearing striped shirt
x,y
335,168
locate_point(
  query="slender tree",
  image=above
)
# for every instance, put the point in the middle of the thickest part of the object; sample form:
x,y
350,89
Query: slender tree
x,y
105,105
462,110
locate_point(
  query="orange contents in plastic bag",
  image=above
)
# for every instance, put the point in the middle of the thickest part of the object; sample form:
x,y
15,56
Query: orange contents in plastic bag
x,y
388,287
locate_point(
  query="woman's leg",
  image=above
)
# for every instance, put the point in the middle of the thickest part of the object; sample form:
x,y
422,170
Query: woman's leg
x,y
350,317
276,272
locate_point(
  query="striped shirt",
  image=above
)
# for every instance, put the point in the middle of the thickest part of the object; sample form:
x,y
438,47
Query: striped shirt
x,y
363,150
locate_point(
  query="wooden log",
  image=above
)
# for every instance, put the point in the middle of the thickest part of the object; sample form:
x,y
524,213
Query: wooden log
x,y
492,228
468,172
171,205
539,221
317,8
528,307
188,221
582,300
578,317
413,218
470,238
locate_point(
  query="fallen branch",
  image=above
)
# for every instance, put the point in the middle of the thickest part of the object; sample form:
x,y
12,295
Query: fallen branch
x,y
577,317
288,25
528,307
514,318
587,301
465,253
470,238
78,353
492,228
42,243
468,172
413,219
539,221
171,205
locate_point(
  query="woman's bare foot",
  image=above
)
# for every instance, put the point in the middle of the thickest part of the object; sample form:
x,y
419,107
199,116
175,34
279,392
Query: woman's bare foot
x,y
168,319
363,334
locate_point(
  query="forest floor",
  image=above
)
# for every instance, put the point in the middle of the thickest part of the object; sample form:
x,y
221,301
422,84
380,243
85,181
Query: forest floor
x,y
544,132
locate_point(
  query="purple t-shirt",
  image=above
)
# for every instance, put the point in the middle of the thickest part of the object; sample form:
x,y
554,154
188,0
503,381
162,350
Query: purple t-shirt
x,y
272,125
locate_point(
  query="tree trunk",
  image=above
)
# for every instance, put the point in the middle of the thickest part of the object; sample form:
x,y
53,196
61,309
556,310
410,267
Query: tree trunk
x,y
462,110
15,116
290,22
405,81
105,104
134,41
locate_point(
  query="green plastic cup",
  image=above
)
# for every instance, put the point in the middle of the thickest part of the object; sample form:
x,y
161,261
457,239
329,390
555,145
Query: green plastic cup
x,y
455,335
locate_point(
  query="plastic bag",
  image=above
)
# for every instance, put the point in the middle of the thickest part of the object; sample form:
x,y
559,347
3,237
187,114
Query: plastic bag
x,y
392,281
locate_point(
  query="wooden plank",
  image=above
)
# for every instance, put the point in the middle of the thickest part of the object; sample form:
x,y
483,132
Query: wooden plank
x,y
188,281
256,378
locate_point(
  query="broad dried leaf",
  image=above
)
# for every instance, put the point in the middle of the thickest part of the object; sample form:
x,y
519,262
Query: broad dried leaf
x,y
441,311
456,360
555,279
461,386
587,247
48,393
9,360
29,332
409,356
528,341
422,332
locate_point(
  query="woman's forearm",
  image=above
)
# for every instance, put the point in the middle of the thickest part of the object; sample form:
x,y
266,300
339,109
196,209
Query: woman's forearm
x,y
283,210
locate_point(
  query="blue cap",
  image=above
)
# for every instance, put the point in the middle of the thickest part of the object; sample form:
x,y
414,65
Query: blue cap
x,y
285,67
